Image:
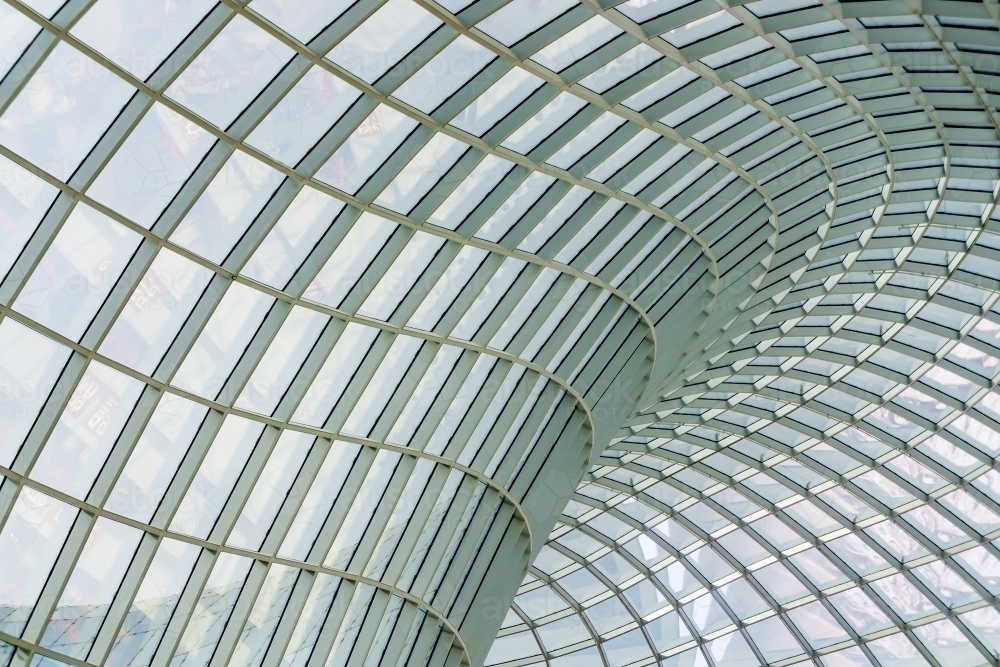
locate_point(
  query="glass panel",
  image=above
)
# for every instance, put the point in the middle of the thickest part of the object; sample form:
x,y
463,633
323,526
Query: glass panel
x,y
30,542
16,32
212,611
302,19
264,616
400,277
423,396
229,73
335,374
520,18
497,102
447,288
903,597
402,513
269,492
210,489
543,123
621,68
151,165
137,35
322,494
91,587
24,199
63,111
949,646
155,458
731,650
221,344
421,173
817,625
155,312
372,402
303,115
30,364
350,260
455,209
517,204
444,74
153,605
77,272
368,497
367,149
310,621
371,49
227,207
86,431
577,43
292,238
280,363
488,298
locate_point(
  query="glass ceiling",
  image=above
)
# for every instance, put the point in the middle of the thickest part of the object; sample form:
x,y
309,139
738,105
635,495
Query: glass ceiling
x,y
505,332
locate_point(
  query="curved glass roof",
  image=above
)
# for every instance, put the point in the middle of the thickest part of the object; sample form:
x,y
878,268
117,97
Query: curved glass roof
x,y
499,332
817,485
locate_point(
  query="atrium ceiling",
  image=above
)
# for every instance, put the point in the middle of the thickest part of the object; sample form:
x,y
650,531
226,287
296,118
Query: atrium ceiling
x,y
503,332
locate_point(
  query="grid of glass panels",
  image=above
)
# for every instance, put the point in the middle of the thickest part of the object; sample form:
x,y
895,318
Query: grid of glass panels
x,y
288,362
314,313
817,485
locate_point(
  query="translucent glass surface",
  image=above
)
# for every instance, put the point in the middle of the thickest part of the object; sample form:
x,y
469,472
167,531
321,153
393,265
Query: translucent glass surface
x,y
329,328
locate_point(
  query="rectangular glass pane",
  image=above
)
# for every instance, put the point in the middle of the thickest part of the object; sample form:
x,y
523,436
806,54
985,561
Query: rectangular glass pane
x,y
269,493
83,437
30,542
153,605
155,458
77,272
91,588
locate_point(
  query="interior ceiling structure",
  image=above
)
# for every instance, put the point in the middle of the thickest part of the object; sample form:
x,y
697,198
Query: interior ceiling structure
x,y
563,332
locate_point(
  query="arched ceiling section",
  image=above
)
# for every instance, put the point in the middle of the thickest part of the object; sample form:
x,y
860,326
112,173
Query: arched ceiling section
x,y
816,485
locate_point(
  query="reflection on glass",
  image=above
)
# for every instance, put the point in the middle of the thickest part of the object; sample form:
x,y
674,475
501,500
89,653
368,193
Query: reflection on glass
x,y
156,311
367,149
264,616
30,542
230,72
211,487
154,460
87,430
310,621
91,587
77,272
212,611
303,116
153,605
151,165
29,367
62,111
138,34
